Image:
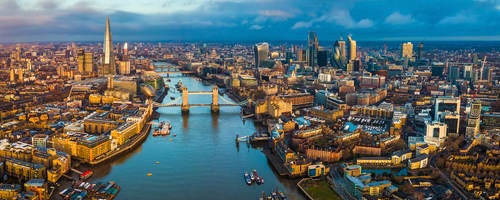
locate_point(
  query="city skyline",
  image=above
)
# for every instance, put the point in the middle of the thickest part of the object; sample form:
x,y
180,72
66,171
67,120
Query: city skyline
x,y
47,20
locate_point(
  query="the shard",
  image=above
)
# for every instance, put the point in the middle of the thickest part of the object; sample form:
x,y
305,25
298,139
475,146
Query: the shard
x,y
108,63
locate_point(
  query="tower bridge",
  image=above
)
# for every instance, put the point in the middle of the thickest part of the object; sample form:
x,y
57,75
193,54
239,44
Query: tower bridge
x,y
214,105
171,69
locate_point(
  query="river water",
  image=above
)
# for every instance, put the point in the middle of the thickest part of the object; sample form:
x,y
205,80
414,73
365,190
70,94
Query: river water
x,y
201,162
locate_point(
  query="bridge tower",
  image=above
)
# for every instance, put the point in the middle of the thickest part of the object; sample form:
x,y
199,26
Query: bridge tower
x,y
215,100
185,103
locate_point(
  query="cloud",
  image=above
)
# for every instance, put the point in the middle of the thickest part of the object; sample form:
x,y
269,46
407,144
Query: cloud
x,y
22,20
300,25
279,14
397,18
460,18
340,17
256,27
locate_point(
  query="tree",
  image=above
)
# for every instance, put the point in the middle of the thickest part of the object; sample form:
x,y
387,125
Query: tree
x,y
495,106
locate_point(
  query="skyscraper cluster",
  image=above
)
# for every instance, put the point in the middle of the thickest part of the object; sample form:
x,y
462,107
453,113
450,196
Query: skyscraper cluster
x,y
344,55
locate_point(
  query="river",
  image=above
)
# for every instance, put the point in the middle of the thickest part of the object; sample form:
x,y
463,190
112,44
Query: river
x,y
201,162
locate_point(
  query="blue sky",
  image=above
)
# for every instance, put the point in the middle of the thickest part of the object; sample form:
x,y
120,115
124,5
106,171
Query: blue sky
x,y
249,20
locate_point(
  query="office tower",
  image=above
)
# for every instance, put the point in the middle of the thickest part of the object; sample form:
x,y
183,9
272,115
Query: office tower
x,y
468,72
385,49
108,64
80,59
489,73
12,77
118,49
339,57
88,63
444,105
261,52
350,67
473,119
452,121
420,51
301,55
124,68
437,69
288,56
453,73
435,133
125,51
352,48
312,49
407,50
20,75
110,82
322,57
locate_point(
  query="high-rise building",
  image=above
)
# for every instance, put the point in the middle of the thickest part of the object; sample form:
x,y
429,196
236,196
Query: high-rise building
x,y
420,51
339,56
80,59
301,55
453,73
125,51
452,121
261,53
407,50
437,69
469,73
88,63
435,133
352,48
312,49
473,119
85,61
444,105
124,67
20,75
108,64
322,57
12,77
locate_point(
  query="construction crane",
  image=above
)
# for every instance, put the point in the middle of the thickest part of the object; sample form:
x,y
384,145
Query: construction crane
x,y
69,95
480,77
482,68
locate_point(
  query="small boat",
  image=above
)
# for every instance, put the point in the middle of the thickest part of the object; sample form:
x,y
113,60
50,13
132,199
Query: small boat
x,y
168,80
166,129
169,126
149,174
248,179
87,174
175,135
256,177
172,98
282,195
157,162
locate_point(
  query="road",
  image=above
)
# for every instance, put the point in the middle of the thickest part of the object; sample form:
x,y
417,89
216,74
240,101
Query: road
x,y
448,180
339,185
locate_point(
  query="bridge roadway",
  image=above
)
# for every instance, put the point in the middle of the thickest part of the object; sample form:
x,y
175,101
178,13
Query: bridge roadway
x,y
195,105
175,72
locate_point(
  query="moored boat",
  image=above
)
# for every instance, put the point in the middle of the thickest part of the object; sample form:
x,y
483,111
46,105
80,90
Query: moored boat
x,y
248,179
86,174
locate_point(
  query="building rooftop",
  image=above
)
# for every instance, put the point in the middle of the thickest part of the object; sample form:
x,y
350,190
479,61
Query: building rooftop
x,y
419,158
35,182
9,187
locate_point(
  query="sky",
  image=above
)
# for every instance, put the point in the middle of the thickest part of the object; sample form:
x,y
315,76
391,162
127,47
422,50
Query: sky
x,y
249,20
